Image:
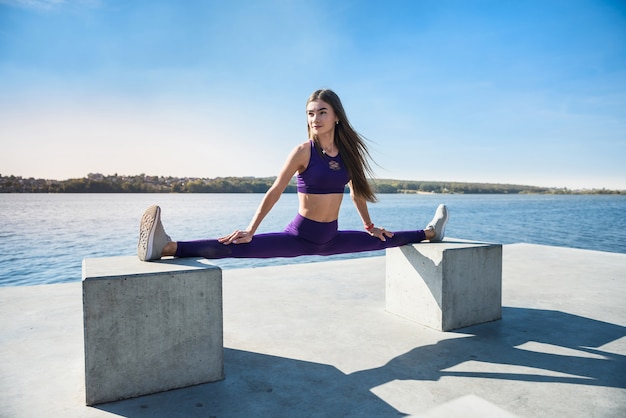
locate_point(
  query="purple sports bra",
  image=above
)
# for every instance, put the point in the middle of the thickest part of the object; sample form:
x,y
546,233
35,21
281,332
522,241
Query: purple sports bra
x,y
323,175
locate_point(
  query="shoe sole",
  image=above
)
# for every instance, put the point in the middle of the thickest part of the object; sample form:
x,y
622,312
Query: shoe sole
x,y
146,232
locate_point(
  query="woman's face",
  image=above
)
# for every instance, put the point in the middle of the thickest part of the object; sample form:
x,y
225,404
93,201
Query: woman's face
x,y
321,118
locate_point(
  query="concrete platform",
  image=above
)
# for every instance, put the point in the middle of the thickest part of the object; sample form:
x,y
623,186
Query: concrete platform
x,y
315,340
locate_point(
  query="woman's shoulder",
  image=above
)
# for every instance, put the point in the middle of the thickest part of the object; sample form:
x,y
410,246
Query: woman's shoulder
x,y
303,148
308,144
300,155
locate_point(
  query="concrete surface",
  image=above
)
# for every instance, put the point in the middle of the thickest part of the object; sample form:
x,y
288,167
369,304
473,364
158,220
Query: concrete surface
x,y
150,327
447,285
315,340
469,406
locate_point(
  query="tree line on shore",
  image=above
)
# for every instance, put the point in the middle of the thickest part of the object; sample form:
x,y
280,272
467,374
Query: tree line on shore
x,y
99,183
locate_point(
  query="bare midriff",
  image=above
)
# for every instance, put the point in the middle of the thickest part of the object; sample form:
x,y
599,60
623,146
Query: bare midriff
x,y
320,207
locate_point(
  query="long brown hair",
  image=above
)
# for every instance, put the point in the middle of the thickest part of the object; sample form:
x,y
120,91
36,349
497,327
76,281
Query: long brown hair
x,y
350,144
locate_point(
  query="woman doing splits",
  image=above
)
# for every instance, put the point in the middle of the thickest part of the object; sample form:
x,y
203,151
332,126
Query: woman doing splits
x,y
334,156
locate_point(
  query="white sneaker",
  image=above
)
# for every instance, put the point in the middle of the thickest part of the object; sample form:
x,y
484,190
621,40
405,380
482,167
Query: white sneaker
x,y
438,224
152,236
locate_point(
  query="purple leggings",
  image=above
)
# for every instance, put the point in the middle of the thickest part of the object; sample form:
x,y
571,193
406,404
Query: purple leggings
x,y
301,237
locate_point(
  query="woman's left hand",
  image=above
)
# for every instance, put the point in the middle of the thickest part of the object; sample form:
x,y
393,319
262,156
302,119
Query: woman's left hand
x,y
381,233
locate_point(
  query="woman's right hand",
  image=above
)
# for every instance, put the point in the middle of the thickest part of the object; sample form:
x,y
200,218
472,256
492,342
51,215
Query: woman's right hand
x,y
237,237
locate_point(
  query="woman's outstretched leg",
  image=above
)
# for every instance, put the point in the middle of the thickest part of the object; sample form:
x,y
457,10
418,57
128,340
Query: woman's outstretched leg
x,y
357,241
154,243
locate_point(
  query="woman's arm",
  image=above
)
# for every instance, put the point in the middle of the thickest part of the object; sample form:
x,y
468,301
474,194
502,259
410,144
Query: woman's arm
x,y
296,161
361,207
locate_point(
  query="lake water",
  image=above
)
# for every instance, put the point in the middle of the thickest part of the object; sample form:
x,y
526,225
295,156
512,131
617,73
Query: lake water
x,y
44,237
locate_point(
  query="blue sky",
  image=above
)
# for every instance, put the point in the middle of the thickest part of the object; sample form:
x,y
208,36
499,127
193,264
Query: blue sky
x,y
525,92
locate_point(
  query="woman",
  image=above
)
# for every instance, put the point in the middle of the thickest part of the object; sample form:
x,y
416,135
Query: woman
x,y
334,155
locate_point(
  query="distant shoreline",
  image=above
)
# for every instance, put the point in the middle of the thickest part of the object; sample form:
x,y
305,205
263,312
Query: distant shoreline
x,y
100,183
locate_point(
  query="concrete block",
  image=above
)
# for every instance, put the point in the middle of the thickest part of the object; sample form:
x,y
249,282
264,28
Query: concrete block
x,y
150,327
447,285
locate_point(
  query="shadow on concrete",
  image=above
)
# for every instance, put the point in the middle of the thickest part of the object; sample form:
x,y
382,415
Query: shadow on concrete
x,y
259,385
560,347
551,346
428,269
